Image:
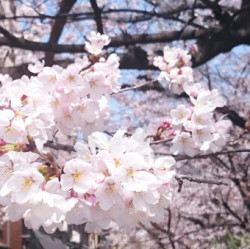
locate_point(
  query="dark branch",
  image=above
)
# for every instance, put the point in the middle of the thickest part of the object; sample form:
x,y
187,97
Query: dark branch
x,y
57,28
98,17
11,40
58,146
180,179
181,158
233,116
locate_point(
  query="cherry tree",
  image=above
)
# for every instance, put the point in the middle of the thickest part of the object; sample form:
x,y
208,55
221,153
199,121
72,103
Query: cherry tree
x,y
57,160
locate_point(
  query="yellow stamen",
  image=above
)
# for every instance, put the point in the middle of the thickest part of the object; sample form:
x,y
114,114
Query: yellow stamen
x,y
184,140
198,119
106,173
111,188
18,114
27,182
52,79
10,129
181,115
117,162
92,83
131,173
200,132
77,175
71,78
56,102
130,207
68,116
7,171
82,108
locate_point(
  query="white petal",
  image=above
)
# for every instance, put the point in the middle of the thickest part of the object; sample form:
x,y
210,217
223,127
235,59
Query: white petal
x,y
139,202
67,182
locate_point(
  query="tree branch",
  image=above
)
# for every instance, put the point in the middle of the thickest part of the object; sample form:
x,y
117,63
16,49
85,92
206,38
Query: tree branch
x,y
11,40
211,41
137,86
59,146
98,17
233,213
65,7
209,45
181,158
180,179
233,116
169,228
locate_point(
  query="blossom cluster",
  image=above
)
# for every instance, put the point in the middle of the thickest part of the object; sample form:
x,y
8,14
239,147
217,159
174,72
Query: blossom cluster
x,y
124,183
175,68
105,181
108,181
58,100
102,178
194,128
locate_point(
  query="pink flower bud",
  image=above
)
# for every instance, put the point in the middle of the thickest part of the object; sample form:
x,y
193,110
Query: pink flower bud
x,y
2,142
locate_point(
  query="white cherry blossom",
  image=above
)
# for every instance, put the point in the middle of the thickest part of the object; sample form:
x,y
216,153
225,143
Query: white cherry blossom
x,y
183,143
107,175
22,185
77,176
96,43
180,114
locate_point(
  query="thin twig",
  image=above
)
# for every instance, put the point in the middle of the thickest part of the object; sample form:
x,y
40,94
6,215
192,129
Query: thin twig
x,y
169,228
135,87
59,146
48,157
181,158
160,141
180,179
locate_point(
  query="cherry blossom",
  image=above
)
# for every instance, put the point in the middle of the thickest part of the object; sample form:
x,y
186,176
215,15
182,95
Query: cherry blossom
x,y
180,115
175,68
193,126
22,185
77,176
104,175
183,143
96,43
